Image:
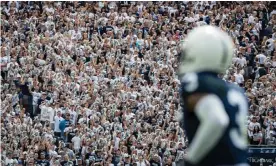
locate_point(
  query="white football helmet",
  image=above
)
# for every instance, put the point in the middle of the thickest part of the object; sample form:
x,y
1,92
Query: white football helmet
x,y
207,48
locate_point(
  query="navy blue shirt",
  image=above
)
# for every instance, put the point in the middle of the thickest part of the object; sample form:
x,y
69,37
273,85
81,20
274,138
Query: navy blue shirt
x,y
42,163
231,148
67,123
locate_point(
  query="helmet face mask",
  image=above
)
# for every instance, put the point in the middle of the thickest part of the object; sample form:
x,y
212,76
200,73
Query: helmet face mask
x,y
183,60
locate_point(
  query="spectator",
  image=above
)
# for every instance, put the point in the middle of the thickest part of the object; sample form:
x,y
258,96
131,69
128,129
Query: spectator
x,y
58,120
257,136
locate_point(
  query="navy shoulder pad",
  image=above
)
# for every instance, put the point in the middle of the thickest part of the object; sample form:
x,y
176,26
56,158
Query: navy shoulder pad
x,y
201,83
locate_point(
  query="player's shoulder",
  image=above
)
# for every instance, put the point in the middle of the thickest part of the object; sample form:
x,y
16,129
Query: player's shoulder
x,y
235,87
203,82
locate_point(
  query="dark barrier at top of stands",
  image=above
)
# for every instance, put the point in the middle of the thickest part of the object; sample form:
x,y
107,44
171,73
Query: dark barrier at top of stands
x,y
263,155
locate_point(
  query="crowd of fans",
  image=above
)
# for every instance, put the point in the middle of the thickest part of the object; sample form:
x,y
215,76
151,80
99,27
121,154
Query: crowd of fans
x,y
95,83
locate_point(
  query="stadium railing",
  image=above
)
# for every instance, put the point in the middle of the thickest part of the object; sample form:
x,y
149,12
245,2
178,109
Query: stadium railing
x,y
262,155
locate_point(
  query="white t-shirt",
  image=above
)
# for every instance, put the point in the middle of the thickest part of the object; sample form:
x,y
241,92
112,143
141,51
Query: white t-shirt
x,y
129,116
47,113
274,63
36,96
140,8
261,58
75,34
50,10
77,142
257,136
52,114
4,61
140,42
73,116
239,78
141,163
271,140
117,141
270,43
57,122
189,19
251,19
241,61
251,126
8,161
15,99
52,152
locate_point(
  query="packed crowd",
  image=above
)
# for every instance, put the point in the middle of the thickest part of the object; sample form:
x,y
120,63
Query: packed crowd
x,y
95,83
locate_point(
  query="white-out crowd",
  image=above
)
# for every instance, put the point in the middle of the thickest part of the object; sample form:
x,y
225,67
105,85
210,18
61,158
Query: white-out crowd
x,y
95,83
